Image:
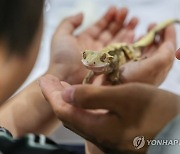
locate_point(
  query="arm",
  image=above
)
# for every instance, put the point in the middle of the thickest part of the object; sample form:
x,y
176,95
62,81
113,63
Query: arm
x,y
160,56
28,111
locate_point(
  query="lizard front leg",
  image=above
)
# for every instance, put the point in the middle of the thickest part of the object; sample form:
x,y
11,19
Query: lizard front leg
x,y
88,77
114,76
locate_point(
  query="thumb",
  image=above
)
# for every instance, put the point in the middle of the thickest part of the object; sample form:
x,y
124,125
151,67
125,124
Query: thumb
x,y
87,96
68,25
124,99
167,45
166,52
93,97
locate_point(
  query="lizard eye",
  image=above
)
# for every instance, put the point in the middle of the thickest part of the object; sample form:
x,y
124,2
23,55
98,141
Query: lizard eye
x,y
84,55
110,58
103,57
112,53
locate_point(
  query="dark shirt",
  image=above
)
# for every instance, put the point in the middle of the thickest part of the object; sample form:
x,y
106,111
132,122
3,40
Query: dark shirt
x,y
30,144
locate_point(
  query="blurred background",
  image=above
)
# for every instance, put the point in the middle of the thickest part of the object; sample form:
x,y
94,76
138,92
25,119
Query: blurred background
x,y
147,11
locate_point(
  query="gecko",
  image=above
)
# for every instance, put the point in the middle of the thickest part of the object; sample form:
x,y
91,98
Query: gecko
x,y
109,59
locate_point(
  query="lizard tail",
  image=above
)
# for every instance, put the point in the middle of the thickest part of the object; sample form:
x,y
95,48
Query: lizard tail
x,y
149,38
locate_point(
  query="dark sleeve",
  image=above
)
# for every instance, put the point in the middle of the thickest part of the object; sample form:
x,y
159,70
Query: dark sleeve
x,y
29,144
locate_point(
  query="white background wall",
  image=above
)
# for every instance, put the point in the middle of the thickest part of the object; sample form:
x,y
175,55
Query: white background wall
x,y
146,10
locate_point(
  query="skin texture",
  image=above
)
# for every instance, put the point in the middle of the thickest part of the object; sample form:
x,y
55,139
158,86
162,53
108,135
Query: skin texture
x,y
92,38
101,34
65,62
159,55
108,60
116,115
110,28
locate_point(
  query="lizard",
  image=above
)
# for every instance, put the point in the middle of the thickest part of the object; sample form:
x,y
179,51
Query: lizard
x,y
108,60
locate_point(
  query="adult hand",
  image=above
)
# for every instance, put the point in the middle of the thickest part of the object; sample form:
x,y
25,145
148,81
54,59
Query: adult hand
x,y
129,110
159,59
155,62
66,47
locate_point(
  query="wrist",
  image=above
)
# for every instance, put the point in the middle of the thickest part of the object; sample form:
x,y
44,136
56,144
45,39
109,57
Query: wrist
x,y
64,74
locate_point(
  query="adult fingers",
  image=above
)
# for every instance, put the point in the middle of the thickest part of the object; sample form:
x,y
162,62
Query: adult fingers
x,y
69,24
166,52
107,35
132,23
110,98
118,23
127,34
124,36
170,35
68,114
86,96
51,86
153,45
95,30
151,26
162,58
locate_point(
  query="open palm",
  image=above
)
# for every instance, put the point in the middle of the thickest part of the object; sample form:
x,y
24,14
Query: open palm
x,y
67,47
156,62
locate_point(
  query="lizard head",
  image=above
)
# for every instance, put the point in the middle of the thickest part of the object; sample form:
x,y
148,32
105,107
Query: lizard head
x,y
96,60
